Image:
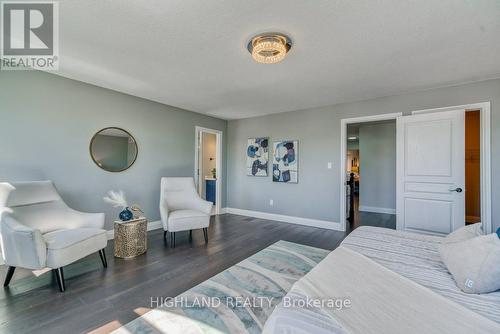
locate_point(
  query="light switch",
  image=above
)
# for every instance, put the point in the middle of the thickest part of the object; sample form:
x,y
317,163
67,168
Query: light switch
x,y
329,165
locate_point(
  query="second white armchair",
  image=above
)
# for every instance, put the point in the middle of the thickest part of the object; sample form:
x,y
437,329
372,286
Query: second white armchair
x,y
182,208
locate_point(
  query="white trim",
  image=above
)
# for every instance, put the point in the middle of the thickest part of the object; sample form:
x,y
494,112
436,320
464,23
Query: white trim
x,y
399,169
287,219
223,211
197,176
485,161
375,209
343,154
154,225
468,107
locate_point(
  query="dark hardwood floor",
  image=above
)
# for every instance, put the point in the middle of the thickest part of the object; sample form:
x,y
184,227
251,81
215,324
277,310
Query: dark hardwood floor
x,y
104,299
371,219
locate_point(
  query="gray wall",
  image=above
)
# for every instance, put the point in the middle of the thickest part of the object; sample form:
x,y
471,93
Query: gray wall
x,y
47,123
318,131
377,156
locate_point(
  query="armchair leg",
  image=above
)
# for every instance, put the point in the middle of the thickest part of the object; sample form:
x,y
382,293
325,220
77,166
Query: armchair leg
x,y
10,273
60,278
190,235
205,234
173,239
102,254
165,236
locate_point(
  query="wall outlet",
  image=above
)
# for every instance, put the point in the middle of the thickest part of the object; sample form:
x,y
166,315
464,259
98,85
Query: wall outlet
x,y
329,165
271,202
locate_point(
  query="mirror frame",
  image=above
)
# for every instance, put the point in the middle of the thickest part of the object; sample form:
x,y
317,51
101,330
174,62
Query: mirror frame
x,y
117,128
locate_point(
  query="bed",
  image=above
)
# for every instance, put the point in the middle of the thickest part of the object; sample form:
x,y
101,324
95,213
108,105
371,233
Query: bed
x,y
388,274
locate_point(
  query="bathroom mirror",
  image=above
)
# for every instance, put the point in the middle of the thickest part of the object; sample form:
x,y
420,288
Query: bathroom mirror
x,y
113,149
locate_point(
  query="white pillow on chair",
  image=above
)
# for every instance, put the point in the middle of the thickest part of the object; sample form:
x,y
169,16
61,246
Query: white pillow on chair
x,y
474,263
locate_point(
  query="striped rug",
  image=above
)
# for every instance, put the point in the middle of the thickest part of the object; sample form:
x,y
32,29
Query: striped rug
x,y
238,300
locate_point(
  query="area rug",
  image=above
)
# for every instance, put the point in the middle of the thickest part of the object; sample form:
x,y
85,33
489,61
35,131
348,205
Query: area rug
x,y
238,300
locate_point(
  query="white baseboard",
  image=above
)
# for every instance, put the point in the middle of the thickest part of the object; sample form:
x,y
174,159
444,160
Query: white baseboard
x,y
223,211
375,209
287,219
151,226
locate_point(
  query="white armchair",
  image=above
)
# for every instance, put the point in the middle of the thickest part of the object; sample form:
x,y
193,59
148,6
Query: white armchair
x,y
38,230
182,209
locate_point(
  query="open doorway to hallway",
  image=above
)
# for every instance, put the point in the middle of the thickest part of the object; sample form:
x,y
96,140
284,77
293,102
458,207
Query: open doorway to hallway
x,y
208,173
371,173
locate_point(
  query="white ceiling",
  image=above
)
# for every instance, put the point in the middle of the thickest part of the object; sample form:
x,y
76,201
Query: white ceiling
x,y
192,54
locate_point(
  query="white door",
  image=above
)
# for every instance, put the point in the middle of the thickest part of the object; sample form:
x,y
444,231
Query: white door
x,y
431,172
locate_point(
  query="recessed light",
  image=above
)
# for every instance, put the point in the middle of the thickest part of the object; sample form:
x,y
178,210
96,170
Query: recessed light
x,y
269,48
352,138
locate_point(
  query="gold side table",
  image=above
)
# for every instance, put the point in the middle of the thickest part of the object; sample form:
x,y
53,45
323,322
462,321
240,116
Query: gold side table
x,y
131,238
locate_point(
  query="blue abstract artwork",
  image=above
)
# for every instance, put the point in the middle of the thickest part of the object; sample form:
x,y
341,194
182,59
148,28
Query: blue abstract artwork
x,y
285,166
257,156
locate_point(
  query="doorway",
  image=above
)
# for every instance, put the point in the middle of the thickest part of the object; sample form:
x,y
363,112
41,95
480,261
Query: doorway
x,y
371,174
484,109
472,167
208,166
345,176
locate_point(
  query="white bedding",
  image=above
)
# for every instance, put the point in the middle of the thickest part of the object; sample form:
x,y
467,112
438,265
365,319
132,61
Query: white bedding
x,y
424,300
416,256
301,320
381,301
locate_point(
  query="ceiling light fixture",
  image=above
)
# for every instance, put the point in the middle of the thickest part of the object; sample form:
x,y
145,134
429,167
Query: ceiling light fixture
x,y
269,48
352,138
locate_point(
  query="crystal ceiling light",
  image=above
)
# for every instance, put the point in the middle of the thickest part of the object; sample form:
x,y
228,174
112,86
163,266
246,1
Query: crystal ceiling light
x,y
269,48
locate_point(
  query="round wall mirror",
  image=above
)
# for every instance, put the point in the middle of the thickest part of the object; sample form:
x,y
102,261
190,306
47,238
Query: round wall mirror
x,y
113,149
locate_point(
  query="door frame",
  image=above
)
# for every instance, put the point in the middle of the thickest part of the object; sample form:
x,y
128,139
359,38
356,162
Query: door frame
x,y
343,155
485,154
218,164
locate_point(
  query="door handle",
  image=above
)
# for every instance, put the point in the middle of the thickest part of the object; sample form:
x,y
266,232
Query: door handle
x,y
458,190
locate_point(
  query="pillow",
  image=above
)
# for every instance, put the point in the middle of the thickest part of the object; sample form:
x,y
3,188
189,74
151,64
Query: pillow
x,y
464,233
474,263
